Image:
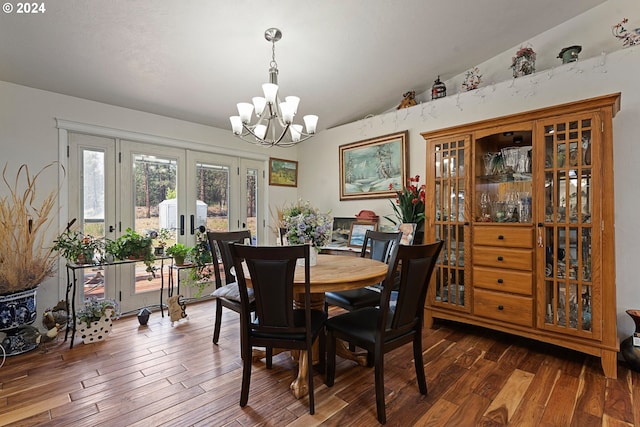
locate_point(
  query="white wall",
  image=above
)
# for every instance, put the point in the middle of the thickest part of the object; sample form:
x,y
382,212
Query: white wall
x,y
617,71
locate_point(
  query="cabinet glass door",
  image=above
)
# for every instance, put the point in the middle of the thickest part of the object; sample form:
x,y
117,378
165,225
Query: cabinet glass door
x,y
503,177
567,234
450,217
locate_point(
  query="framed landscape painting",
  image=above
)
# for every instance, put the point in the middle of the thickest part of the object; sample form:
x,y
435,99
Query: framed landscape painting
x,y
283,172
358,230
369,168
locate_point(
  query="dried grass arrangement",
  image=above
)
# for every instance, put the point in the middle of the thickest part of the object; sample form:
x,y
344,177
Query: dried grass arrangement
x,y
26,258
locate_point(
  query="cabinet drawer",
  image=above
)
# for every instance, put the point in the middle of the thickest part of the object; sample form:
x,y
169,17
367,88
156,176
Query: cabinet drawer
x,y
512,237
518,259
498,279
503,307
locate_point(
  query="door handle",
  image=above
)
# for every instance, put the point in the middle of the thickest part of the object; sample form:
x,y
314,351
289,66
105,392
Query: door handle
x,y
192,220
182,225
111,229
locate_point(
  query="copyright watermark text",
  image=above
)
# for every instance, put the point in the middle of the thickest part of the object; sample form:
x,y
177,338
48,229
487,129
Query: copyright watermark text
x,y
24,8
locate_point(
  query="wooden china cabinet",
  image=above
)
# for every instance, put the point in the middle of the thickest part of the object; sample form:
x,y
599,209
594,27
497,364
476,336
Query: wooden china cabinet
x,y
524,204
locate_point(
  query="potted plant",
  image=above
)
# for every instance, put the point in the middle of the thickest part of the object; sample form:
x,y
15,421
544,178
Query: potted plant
x,y
162,238
95,319
78,247
26,254
134,246
200,255
179,252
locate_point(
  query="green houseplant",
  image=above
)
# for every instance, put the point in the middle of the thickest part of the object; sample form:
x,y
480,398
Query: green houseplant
x,y
199,257
133,246
179,252
78,247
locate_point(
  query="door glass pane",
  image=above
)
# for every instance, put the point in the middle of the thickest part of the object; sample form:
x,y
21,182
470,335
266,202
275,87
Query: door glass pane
x,y
449,192
567,227
252,202
92,198
213,196
156,210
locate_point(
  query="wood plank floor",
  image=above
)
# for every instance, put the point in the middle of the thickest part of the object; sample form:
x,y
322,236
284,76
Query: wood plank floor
x,y
164,375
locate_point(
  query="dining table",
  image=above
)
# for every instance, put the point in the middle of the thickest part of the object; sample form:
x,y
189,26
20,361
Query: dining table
x,y
331,273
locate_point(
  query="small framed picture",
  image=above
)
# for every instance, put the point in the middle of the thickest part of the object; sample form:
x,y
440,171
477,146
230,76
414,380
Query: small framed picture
x,y
283,172
358,230
408,232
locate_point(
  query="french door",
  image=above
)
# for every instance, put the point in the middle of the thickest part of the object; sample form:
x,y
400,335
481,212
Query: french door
x,y
116,184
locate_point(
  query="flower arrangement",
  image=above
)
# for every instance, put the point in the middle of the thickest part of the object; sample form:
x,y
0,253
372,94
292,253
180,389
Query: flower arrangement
x,y
409,203
305,224
95,308
524,62
472,79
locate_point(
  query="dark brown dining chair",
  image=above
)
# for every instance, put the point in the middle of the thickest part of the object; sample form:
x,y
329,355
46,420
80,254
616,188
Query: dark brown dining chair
x,y
396,322
377,245
227,294
278,324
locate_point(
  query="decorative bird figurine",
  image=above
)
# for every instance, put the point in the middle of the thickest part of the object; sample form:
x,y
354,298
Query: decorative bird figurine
x,y
49,336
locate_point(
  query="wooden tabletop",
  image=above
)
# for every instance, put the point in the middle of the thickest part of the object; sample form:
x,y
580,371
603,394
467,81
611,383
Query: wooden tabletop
x,y
339,273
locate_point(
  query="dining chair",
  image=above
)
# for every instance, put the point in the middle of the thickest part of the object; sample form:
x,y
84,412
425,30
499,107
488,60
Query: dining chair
x,y
277,322
377,245
227,295
394,323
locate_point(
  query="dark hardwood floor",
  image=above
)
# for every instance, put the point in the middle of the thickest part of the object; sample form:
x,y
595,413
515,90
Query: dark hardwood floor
x,y
164,375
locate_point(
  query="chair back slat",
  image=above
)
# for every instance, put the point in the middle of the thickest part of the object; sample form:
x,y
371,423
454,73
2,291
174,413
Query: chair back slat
x,y
377,245
272,272
416,264
219,244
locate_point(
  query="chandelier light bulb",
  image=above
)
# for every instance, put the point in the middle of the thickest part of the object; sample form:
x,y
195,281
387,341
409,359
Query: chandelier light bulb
x,y
293,101
260,131
270,92
296,132
258,103
236,125
287,112
310,121
245,110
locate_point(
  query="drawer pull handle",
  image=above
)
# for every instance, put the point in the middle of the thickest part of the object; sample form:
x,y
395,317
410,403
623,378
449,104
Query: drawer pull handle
x,y
500,308
501,237
500,258
500,281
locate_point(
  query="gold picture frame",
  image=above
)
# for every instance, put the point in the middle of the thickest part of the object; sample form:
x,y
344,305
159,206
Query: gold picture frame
x,y
283,172
369,168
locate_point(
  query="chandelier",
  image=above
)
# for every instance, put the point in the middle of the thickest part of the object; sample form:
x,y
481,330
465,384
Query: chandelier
x,y
275,118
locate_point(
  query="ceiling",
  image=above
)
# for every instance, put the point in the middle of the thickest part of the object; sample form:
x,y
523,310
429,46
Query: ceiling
x,y
194,60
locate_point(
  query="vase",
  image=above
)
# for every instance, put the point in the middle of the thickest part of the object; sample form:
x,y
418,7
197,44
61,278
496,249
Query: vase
x,y
630,352
313,257
96,330
523,65
17,310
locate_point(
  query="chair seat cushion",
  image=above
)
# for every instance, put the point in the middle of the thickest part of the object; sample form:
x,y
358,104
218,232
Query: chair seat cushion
x,y
231,292
353,298
318,317
360,324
